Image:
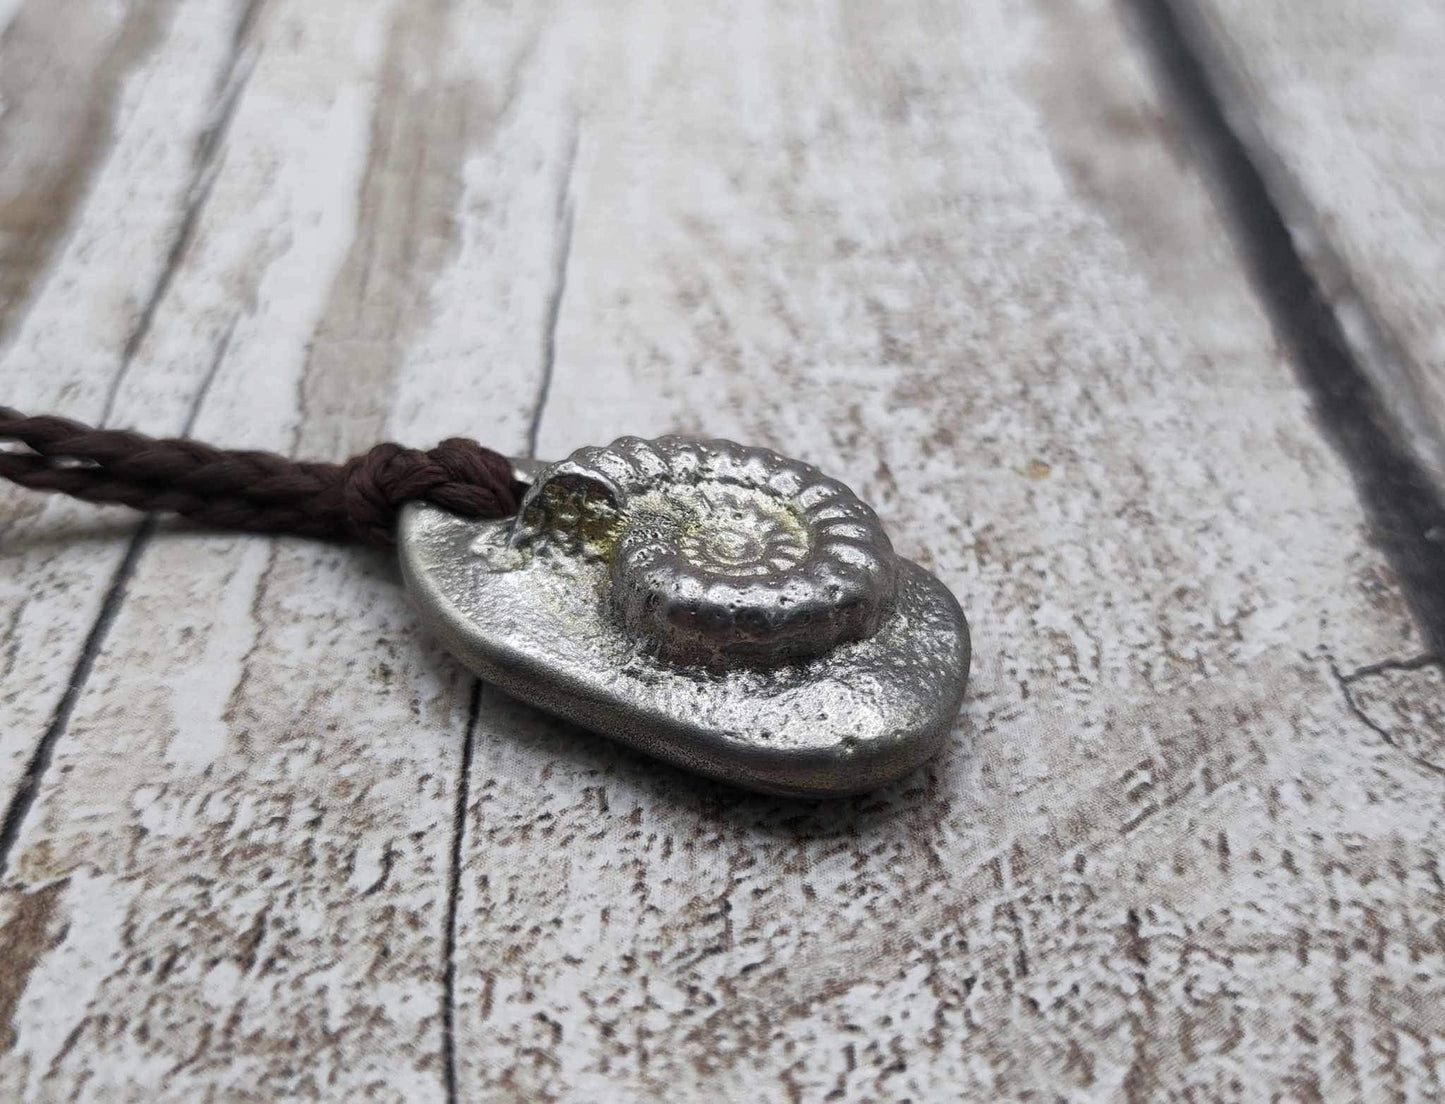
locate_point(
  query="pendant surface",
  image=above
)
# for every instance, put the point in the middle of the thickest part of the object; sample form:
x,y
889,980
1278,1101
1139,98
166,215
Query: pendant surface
x,y
721,607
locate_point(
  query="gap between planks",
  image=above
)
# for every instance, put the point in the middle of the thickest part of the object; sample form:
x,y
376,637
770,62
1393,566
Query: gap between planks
x,y
1402,502
562,256
29,787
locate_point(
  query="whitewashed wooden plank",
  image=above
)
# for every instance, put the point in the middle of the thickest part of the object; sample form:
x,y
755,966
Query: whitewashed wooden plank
x,y
952,253
1340,102
1004,301
104,140
234,881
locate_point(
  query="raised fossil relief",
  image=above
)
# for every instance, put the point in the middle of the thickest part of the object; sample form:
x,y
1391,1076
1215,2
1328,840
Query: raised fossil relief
x,y
721,607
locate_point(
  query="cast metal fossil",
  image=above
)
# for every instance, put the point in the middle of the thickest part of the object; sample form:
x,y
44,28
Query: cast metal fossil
x,y
721,607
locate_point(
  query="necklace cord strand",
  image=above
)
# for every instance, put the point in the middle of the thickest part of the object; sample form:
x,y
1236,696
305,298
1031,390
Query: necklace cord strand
x,y
259,492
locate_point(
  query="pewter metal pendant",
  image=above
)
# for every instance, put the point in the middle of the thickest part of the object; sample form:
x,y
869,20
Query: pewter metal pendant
x,y
720,607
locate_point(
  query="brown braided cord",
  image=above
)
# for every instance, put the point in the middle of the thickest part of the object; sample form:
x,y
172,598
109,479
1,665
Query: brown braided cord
x,y
255,491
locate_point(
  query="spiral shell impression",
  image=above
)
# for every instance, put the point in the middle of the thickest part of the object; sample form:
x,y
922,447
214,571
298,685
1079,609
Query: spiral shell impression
x,y
719,554
724,608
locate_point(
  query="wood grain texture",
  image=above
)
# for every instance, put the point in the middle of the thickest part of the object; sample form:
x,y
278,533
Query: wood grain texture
x,y
243,837
1185,838
1163,855
1341,103
129,141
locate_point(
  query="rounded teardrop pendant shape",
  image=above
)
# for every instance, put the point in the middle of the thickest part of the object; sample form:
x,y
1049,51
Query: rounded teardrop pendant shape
x,y
721,607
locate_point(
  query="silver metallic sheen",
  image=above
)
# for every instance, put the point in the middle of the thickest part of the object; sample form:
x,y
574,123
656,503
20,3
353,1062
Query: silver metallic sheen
x,y
721,607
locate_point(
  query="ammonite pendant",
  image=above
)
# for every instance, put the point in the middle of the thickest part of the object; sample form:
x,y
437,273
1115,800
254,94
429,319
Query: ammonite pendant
x,y
720,607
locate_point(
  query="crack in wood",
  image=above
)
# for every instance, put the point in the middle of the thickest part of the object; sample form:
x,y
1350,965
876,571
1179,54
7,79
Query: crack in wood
x,y
40,758
205,165
561,258
1345,681
1415,663
388,861
454,892
1385,312
86,81
29,784
1405,510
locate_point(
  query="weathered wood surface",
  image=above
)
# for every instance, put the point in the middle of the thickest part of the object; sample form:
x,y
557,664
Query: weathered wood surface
x,y
1341,101
1185,838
